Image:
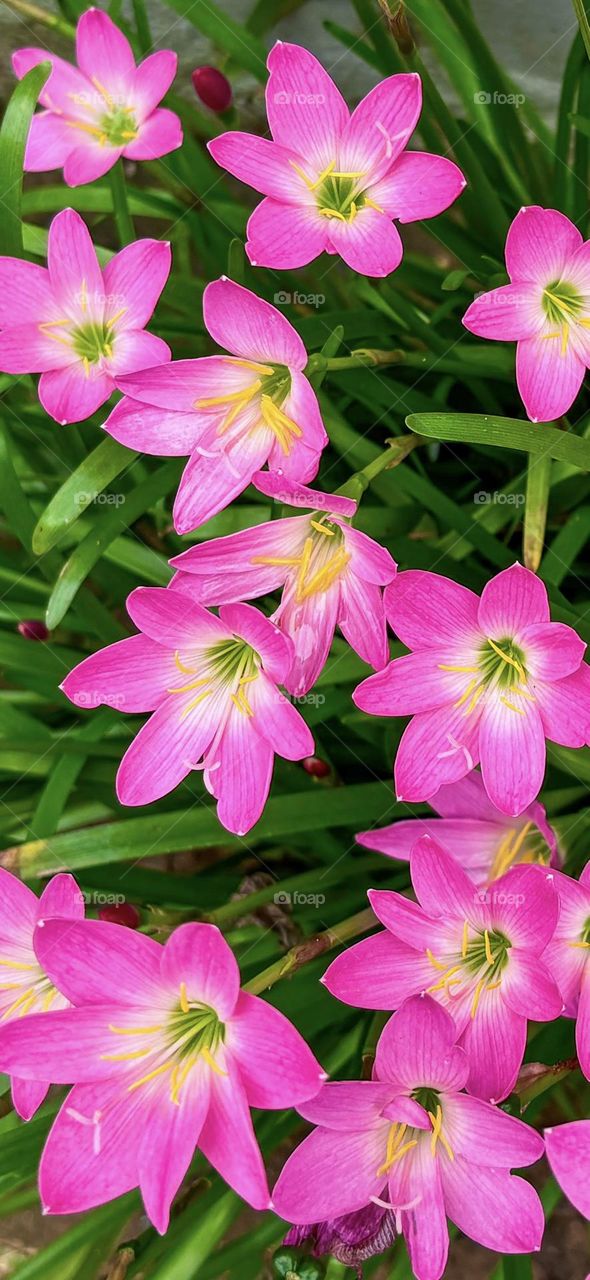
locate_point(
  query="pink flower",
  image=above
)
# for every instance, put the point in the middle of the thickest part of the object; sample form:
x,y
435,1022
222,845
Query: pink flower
x,y
411,1142
211,683
568,1153
232,414
331,576
165,1053
487,680
545,310
77,325
478,835
351,1238
333,181
25,985
479,952
104,108
568,956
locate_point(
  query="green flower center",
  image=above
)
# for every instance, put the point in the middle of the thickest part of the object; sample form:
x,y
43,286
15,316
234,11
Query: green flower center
x,y
428,1098
118,126
233,660
195,1029
489,949
562,302
503,662
92,341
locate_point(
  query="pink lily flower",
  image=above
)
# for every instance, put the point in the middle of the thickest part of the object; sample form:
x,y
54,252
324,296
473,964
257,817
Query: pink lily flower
x,y
166,1054
331,575
568,1153
478,952
478,835
488,679
104,108
211,683
76,324
232,414
334,181
413,1143
25,986
568,954
545,309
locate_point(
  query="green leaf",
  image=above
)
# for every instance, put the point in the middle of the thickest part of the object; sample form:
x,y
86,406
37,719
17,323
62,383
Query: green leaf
x,y
246,50
13,139
98,470
503,433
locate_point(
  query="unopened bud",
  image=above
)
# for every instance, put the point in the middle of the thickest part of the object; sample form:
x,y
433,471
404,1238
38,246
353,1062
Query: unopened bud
x,y
33,629
120,913
213,88
315,767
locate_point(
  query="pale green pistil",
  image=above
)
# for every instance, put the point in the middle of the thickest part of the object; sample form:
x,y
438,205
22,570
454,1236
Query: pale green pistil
x,y
562,302
118,127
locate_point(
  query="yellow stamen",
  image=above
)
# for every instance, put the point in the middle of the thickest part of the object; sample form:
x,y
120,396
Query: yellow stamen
x,y
475,699
158,1071
325,576
192,684
507,658
187,671
438,986
264,369
303,565
17,964
522,835
333,213
178,1079
103,92
207,693
467,693
438,1135
134,1031
23,1003
465,938
443,666
477,996
86,363
210,402
370,204
433,960
212,1063
184,1004
278,560
321,528
124,1057
240,701
317,182
488,946
83,296
117,316
511,707
48,1001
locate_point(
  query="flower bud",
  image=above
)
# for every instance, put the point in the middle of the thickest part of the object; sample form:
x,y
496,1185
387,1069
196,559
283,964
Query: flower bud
x,y
33,629
315,767
120,913
213,88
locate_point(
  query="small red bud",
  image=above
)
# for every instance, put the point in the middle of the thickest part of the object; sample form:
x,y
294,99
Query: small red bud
x,y
120,913
316,768
33,629
213,88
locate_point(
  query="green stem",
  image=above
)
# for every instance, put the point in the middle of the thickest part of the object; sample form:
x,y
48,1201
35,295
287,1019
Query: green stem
x,y
397,450
40,15
474,360
120,205
584,24
309,950
535,514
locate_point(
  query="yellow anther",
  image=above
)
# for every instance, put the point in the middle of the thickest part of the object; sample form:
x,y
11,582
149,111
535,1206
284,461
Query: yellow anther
x,y
303,565
263,369
48,1001
370,204
210,1060
278,560
490,957
83,296
23,1003
438,986
240,700
506,657
187,671
324,578
282,426
191,684
443,666
466,693
475,699
158,1071
86,363
184,1004
117,316
395,1149
437,1134
465,938
135,1031
17,964
207,693
477,996
518,843
313,184
210,402
333,213
433,960
321,528
103,92
124,1057
342,173
511,707
578,944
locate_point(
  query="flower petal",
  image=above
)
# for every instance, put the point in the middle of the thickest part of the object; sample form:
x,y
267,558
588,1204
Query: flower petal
x,y
103,53
282,236
495,1041
361,619
160,134
69,395
529,989
209,484
441,886
279,722
425,1225
548,378
553,650
93,962
262,164
238,773
413,683
89,161
27,1096
66,84
493,1207
377,973
25,294
509,313
61,897
152,80
370,244
229,1142
198,956
163,432
512,748
486,1135
173,620
419,1044
511,601
135,349
310,623
249,327
134,279
348,1104
420,605
166,750
306,112
272,646
314,1185
170,1133
27,348
564,706
132,675
86,1162
74,272
437,747
539,244
271,1078
381,125
568,1153
225,569
418,186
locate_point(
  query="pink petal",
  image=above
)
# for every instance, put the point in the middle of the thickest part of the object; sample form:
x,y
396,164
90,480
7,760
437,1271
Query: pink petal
x,y
62,897
279,722
553,650
285,237
305,110
511,601
165,750
494,1041
314,1185
362,619
27,348
583,1025
239,772
525,904
172,620
170,1133
271,1079
310,624
472,842
410,684
568,1153
301,405
27,1096
418,186
437,747
378,973
198,956
371,561
69,395
421,605
73,265
529,990
273,647
539,244
209,484
370,244
380,126
225,569
260,163
66,84
96,963
287,490
132,675
89,161
152,80
488,1136
565,708
87,1160
182,383
548,379
163,432
509,313
441,885
104,53
134,279
425,1225
249,327
512,748
229,1142
25,293
160,134
418,1043
349,1104
67,1045
493,1207
408,921
467,798
49,143
18,910
134,349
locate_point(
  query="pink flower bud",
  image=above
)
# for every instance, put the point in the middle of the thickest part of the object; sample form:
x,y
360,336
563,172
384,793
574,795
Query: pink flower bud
x,y
315,767
33,629
120,913
213,88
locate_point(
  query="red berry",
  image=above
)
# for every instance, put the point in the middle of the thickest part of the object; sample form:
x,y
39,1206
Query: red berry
x,y
33,629
315,767
120,913
212,87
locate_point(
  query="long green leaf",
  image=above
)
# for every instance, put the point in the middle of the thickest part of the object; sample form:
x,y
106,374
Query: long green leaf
x,y
98,470
503,433
13,140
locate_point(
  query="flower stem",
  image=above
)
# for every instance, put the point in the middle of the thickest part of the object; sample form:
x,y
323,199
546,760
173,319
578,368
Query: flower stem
x,y
397,450
36,14
309,950
120,204
538,485
584,24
